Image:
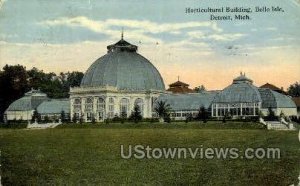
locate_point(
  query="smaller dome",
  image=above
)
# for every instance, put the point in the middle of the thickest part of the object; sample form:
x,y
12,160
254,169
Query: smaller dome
x,y
30,101
240,91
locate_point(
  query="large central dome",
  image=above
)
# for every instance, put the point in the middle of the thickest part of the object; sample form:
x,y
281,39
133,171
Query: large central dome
x,y
124,68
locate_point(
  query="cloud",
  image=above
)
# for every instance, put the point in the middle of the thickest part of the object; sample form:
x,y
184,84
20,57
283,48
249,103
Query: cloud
x,y
147,26
216,37
77,21
137,29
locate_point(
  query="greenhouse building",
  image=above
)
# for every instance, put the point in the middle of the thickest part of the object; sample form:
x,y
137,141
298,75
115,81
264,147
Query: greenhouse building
x,y
242,98
122,78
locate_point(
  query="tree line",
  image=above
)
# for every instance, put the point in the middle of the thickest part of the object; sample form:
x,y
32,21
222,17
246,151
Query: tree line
x,y
15,81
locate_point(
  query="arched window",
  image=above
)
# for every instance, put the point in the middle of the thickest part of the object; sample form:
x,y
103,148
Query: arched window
x,y
124,107
77,105
111,107
89,105
101,108
101,104
140,103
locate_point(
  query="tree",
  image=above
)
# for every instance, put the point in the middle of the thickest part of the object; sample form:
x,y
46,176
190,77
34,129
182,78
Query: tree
x,y
81,119
200,88
162,109
15,81
167,118
225,117
48,83
294,90
202,114
189,117
74,119
13,85
46,119
271,115
62,116
74,78
136,115
123,117
36,116
93,119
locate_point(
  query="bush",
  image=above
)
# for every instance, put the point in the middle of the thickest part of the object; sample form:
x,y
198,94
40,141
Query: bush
x,y
17,125
123,117
36,116
188,118
295,119
116,118
93,120
107,121
202,114
271,115
167,118
136,114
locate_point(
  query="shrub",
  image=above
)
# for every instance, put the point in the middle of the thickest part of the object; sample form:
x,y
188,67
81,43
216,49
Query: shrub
x,y
167,118
271,115
202,114
136,114
189,117
123,117
162,109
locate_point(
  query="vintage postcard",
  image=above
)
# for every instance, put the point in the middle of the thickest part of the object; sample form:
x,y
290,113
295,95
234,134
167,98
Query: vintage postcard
x,y
148,92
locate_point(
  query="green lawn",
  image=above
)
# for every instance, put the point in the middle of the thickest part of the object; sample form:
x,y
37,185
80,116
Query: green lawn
x,y
90,154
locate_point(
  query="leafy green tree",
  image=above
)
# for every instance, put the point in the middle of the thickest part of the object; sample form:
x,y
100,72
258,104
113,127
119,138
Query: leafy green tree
x,y
136,115
162,109
74,78
189,117
48,83
225,117
200,88
46,119
271,115
15,81
81,119
13,85
123,117
167,118
63,116
93,119
202,114
294,90
74,118
36,116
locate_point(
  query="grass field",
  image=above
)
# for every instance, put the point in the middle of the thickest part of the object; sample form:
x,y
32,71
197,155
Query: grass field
x,y
90,154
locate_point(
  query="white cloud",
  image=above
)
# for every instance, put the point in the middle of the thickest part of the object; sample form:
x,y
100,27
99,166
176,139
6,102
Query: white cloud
x,y
146,26
216,37
226,37
138,29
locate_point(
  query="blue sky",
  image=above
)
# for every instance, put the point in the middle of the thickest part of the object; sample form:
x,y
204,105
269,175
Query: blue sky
x,y
61,35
